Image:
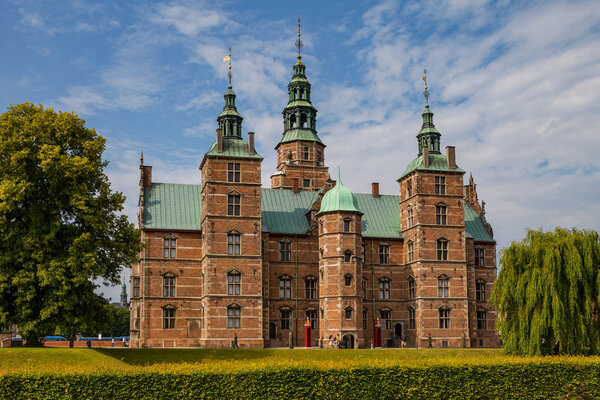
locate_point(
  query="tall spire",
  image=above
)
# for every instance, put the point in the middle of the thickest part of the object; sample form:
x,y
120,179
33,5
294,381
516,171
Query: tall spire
x,y
426,92
299,43
230,121
428,136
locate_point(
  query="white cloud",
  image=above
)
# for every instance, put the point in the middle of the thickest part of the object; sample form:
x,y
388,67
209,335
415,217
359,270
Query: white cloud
x,y
187,20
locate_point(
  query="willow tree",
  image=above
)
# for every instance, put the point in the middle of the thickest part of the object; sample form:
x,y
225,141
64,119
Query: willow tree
x,y
61,226
547,293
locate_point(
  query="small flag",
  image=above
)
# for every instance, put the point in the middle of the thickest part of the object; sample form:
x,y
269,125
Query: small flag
x,y
227,58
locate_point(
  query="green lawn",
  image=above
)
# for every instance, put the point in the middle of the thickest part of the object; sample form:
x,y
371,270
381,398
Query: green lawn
x,y
64,360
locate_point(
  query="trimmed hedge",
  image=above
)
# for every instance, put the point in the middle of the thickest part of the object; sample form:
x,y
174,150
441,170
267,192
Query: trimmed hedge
x,y
529,380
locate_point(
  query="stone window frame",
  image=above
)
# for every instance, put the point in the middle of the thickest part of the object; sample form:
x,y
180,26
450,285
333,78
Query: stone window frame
x,y
234,209
384,253
312,318
444,317
232,285
234,316
386,323
443,285
348,311
234,172
169,316
481,318
135,286
285,323
385,288
410,216
169,284
441,213
364,288
347,255
479,256
412,317
440,185
285,250
479,291
285,288
442,245
410,249
232,245
365,318
169,246
311,291
306,183
347,225
305,153
348,277
412,287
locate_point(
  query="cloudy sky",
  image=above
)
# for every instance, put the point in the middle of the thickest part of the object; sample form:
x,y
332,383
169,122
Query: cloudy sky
x,y
515,86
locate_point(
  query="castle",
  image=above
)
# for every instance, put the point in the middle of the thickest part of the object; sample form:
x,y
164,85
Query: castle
x,y
229,259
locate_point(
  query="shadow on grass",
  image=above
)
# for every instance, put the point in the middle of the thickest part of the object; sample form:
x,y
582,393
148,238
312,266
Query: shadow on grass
x,y
178,356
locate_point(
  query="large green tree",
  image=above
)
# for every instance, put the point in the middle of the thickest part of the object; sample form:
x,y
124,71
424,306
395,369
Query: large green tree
x,y
61,226
547,293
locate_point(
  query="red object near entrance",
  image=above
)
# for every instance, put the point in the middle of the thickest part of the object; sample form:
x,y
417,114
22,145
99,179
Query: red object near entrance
x,y
307,338
377,333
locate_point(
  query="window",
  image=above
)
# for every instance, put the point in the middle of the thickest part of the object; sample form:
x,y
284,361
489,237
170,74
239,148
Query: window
x,y
233,172
310,284
285,251
305,153
442,249
234,313
348,312
479,257
347,255
409,188
443,283
384,254
481,319
411,318
311,315
444,317
233,243
384,288
480,290
364,289
411,251
168,286
284,318
440,185
440,215
365,316
409,211
285,287
169,248
347,225
233,204
136,286
411,287
386,319
168,318
363,252
234,279
306,183
348,279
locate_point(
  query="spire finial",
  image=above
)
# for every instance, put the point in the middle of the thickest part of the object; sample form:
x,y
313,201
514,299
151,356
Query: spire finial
x,y
228,58
142,158
339,176
426,92
299,43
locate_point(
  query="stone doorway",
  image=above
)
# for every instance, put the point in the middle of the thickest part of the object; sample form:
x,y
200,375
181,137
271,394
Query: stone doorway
x,y
398,330
348,341
272,330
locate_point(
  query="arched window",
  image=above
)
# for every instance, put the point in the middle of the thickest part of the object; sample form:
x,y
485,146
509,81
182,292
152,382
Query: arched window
x,y
347,256
285,287
348,312
348,279
310,285
347,222
444,317
411,287
384,288
443,285
480,290
234,315
411,318
234,282
442,249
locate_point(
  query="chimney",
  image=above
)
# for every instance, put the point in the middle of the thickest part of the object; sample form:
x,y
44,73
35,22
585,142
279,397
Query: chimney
x,y
251,143
146,175
295,186
451,157
219,140
426,156
375,189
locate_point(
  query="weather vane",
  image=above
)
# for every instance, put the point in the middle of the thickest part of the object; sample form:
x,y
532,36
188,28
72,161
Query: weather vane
x,y
299,43
228,58
426,92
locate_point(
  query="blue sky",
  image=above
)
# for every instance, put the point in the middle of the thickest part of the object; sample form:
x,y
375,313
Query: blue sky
x,y
515,86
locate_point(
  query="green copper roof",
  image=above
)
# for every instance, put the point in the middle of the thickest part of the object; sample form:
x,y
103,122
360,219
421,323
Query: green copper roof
x,y
229,112
339,198
176,206
474,225
299,134
437,162
299,103
232,147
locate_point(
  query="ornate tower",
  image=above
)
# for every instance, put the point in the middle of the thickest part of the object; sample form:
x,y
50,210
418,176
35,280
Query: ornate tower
x,y
433,227
300,152
340,266
231,300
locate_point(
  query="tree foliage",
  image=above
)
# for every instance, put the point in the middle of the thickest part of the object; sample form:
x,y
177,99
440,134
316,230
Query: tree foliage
x,y
119,325
60,224
547,293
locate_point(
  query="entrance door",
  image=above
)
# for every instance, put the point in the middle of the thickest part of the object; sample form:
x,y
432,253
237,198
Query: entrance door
x,y
272,330
348,341
398,330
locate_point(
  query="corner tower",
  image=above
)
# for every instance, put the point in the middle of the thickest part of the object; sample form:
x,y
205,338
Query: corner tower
x,y
300,152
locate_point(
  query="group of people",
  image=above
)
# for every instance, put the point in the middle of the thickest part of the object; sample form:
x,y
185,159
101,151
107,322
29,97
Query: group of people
x,y
336,342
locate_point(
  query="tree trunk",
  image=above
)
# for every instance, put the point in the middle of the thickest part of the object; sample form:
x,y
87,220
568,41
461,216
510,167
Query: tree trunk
x,y
33,341
71,342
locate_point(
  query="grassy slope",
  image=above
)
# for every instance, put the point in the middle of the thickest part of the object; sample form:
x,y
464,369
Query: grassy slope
x,y
64,360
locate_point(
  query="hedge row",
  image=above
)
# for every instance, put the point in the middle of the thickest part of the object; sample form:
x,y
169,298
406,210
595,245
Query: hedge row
x,y
516,380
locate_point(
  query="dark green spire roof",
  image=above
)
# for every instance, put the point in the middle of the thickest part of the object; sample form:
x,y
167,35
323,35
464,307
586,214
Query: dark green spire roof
x,y
339,198
230,121
428,136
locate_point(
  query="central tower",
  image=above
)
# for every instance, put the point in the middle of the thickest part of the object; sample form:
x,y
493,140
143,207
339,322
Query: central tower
x,y
300,152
